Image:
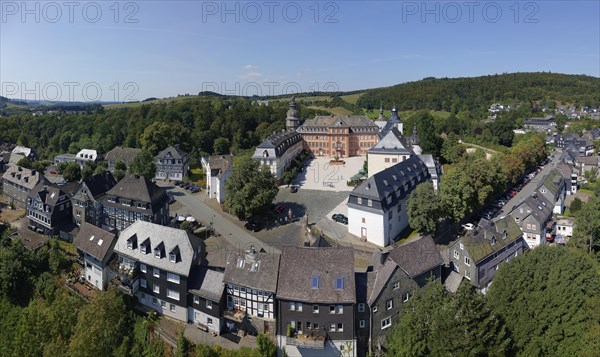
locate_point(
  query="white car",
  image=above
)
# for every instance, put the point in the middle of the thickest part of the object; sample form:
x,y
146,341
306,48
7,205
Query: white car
x,y
468,226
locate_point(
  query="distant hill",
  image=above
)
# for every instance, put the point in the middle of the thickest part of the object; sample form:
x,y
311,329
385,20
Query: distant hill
x,y
477,93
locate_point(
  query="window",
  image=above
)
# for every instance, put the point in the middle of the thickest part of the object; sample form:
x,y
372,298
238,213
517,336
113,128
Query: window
x,y
397,285
143,283
462,246
339,283
196,299
154,301
374,309
298,306
456,255
129,244
340,327
209,304
332,327
385,323
315,326
163,304
172,307
172,257
359,200
156,288
389,304
361,324
143,248
308,325
361,307
157,253
363,220
405,297
339,309
467,261
143,267
468,274
390,214
315,309
156,273
387,159
394,160
292,306
370,203
315,282
174,278
332,309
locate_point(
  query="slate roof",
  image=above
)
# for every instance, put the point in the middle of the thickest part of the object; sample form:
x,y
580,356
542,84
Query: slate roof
x,y
362,286
327,121
167,239
392,143
300,264
100,183
261,276
138,188
478,242
277,143
552,181
588,160
541,208
219,164
414,258
380,185
24,177
175,152
120,153
206,283
49,194
95,241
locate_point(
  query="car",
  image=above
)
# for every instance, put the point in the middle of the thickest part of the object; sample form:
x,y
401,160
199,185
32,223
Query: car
x,y
279,208
339,218
171,198
513,192
468,226
253,226
294,189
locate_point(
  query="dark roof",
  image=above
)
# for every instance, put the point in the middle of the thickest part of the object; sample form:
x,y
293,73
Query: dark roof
x,y
392,142
95,241
385,182
380,278
300,264
478,242
552,181
219,164
540,208
259,269
175,152
119,153
99,184
49,194
206,283
417,257
138,188
362,286
69,188
327,121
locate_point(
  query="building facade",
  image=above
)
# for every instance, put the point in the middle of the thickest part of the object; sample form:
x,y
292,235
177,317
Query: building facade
x,y
87,198
316,298
393,148
95,246
155,263
278,151
553,188
172,164
218,169
48,209
532,216
132,199
17,183
206,299
123,154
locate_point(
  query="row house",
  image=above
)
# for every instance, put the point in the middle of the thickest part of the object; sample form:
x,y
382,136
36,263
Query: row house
x,y
218,168
155,263
250,285
377,209
122,154
95,247
278,151
478,254
87,198
553,188
569,174
206,302
20,152
390,281
316,300
583,146
48,209
172,164
532,216
134,198
17,182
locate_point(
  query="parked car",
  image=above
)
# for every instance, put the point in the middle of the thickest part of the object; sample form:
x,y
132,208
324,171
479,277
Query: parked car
x,y
253,226
171,198
468,226
340,218
294,189
279,208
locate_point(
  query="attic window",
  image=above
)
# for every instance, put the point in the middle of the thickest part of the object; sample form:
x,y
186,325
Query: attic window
x,y
339,283
172,257
241,263
493,240
254,266
315,282
92,237
157,253
504,235
143,249
100,242
265,153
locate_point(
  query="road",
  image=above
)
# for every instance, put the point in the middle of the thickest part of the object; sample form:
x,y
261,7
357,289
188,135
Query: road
x,y
530,187
235,235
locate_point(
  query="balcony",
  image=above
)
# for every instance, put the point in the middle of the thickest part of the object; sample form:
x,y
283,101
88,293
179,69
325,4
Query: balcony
x,y
127,280
302,341
234,315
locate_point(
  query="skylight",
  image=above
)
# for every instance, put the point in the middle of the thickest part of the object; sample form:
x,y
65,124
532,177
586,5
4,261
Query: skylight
x,y
315,282
92,237
100,242
339,283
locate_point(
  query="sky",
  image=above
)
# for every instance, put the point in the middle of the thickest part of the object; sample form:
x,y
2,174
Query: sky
x,y
133,50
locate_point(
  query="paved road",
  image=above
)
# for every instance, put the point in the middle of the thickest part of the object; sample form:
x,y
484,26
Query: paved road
x,y
530,187
235,235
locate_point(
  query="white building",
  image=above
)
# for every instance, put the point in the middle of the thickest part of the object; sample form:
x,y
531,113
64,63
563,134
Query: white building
x,y
393,148
218,169
278,150
86,155
377,208
96,246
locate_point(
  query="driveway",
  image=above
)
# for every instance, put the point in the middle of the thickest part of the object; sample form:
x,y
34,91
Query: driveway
x,y
530,187
319,175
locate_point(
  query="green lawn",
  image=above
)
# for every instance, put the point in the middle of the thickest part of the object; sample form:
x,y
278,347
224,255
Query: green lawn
x,y
197,175
406,236
67,247
351,98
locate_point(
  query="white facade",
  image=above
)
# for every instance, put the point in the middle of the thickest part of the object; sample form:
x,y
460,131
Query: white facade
x,y
278,165
198,317
533,240
163,307
255,302
378,228
333,348
380,161
95,274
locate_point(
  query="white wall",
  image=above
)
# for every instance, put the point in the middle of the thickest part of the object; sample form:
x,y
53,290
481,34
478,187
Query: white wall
x,y
95,275
179,314
374,224
376,161
197,316
332,349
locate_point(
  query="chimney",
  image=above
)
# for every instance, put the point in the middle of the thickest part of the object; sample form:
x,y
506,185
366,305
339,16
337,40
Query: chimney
x,y
33,172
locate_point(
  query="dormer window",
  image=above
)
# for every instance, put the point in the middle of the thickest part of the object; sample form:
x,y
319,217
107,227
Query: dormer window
x,y
265,153
504,235
314,282
157,253
143,249
172,257
129,244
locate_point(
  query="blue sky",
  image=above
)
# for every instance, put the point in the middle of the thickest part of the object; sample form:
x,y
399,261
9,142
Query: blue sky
x,y
161,49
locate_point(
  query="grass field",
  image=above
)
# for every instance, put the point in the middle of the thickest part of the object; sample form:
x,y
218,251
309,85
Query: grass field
x,y
374,114
157,101
335,111
351,98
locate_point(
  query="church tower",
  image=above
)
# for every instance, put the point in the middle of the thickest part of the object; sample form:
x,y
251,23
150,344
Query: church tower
x,y
292,121
414,141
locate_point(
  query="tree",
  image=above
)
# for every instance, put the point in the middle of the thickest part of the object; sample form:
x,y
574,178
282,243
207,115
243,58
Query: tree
x,y
249,189
586,233
424,208
452,150
158,136
221,146
429,141
40,166
143,165
457,193
591,175
24,162
503,130
575,205
88,170
186,226
183,346
120,165
101,326
266,347
544,298
72,172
